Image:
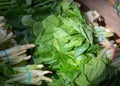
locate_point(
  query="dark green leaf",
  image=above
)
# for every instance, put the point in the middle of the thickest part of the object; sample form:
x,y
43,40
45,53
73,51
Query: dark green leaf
x,y
27,20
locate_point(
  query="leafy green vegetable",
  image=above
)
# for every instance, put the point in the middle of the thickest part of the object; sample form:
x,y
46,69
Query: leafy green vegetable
x,y
5,71
64,41
117,5
81,49
24,16
65,44
37,28
92,73
28,2
27,20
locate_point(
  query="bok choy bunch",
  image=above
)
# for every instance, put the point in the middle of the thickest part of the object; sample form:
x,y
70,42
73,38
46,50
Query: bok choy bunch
x,y
30,74
25,75
10,52
6,36
16,54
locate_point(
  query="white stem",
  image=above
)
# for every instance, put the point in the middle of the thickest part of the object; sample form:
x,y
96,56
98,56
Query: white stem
x,y
19,53
34,81
18,60
46,78
2,34
28,46
16,79
20,56
7,38
17,49
13,58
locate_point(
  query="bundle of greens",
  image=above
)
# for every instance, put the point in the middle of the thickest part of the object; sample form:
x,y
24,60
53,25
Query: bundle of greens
x,y
10,52
23,76
16,54
30,74
25,16
6,36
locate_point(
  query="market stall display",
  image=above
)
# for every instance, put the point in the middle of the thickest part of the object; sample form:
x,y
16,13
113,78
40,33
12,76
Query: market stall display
x,y
75,49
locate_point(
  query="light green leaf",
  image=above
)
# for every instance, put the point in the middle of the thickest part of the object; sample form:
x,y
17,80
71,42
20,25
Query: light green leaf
x,y
28,2
65,5
94,70
50,22
92,73
81,57
77,12
87,33
60,33
75,25
80,50
37,28
27,20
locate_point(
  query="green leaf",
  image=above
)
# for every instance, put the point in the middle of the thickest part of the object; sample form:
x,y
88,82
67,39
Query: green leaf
x,y
44,38
77,12
60,33
80,50
81,57
94,69
93,73
27,20
67,26
37,28
65,5
94,48
82,81
57,82
28,2
87,33
76,26
50,22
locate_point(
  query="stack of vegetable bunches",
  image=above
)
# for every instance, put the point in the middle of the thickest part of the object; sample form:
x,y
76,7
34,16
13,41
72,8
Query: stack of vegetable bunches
x,y
66,44
12,53
14,56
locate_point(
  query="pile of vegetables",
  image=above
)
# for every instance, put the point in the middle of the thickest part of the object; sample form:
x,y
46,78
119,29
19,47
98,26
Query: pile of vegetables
x,y
15,54
12,56
68,46
25,17
10,52
65,43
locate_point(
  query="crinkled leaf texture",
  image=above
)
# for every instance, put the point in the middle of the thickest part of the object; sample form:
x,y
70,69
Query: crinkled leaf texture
x,y
92,73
